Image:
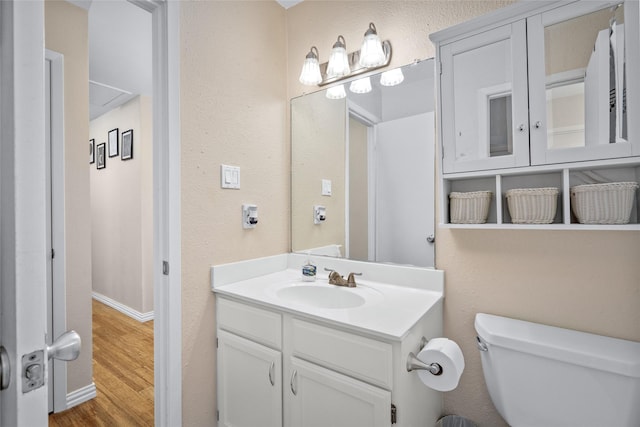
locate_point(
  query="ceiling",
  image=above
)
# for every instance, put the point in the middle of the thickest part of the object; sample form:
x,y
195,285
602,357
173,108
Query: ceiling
x,y
120,52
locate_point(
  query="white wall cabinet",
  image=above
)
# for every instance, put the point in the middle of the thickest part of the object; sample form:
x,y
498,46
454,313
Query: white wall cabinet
x,y
540,94
331,376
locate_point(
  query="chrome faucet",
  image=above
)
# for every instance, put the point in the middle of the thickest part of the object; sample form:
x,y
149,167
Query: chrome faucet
x,y
336,279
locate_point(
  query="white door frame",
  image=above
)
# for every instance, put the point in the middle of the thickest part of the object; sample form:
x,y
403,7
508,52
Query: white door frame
x,y
166,207
55,178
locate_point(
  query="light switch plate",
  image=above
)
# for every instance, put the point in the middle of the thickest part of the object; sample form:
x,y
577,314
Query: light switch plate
x,y
326,187
230,177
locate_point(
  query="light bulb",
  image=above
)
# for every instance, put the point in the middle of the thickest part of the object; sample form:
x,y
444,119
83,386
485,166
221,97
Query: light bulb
x,y
371,52
338,61
336,92
391,77
310,74
361,86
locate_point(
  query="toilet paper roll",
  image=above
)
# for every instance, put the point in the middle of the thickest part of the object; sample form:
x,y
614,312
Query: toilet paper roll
x,y
448,355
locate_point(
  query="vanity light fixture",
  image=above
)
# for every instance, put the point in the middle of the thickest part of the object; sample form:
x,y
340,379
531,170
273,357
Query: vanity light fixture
x,y
336,92
341,65
361,85
392,77
371,52
310,74
338,61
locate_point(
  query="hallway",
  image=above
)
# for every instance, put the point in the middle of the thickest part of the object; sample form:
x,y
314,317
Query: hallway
x,y
122,371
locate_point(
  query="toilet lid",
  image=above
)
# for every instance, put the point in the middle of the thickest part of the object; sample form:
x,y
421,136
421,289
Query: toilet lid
x,y
575,347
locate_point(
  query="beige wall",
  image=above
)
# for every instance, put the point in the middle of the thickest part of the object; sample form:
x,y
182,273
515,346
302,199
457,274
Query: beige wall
x,y
66,33
233,111
122,209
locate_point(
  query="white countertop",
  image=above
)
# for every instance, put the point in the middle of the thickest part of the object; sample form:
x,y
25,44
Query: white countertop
x,y
389,311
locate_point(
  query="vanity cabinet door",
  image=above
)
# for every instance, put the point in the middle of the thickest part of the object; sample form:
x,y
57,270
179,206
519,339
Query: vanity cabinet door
x,y
583,84
484,100
249,383
319,397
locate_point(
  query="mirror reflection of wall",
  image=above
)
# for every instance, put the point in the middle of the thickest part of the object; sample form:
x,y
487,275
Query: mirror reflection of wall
x,y
377,149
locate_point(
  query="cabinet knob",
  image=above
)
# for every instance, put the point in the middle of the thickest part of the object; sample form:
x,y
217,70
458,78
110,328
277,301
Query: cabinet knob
x,y
522,127
538,124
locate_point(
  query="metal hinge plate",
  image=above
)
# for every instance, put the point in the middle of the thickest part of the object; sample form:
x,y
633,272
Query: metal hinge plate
x,y
394,414
165,268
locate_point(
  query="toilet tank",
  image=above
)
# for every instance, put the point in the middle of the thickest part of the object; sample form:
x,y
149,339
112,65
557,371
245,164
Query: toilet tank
x,y
539,375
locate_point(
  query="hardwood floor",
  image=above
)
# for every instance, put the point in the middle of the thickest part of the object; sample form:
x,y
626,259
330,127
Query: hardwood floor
x,y
122,371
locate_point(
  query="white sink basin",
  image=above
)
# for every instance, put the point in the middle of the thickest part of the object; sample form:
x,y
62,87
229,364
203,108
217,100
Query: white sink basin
x,y
321,296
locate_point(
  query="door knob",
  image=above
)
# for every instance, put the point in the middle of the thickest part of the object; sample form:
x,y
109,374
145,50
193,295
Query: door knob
x,y
66,347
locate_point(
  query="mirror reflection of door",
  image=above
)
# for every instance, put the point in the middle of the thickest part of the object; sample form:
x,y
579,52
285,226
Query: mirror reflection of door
x,y
389,212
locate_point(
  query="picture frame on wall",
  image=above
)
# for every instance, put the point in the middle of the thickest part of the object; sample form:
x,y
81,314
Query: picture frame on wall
x,y
127,145
101,156
92,152
113,142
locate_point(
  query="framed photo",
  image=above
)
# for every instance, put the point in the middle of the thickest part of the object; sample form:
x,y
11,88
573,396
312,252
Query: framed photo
x,y
92,153
113,142
127,145
101,156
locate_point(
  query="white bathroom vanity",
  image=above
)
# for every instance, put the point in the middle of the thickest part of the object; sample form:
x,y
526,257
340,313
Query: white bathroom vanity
x,y
295,353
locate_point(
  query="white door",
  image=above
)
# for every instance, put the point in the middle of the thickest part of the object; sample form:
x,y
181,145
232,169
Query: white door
x,y
22,210
249,383
405,190
319,397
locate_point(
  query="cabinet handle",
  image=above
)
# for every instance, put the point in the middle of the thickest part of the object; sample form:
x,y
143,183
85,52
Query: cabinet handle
x,y
294,388
271,373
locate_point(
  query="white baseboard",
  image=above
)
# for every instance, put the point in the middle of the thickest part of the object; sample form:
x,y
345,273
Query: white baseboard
x,y
81,395
134,314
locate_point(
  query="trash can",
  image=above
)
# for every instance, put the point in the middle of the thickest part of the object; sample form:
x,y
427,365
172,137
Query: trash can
x,y
455,421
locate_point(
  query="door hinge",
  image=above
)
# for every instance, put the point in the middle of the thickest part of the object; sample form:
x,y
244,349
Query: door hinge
x,y
440,67
394,414
165,268
217,415
216,342
53,253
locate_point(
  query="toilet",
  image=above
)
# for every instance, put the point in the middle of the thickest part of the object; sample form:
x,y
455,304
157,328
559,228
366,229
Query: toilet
x,y
543,376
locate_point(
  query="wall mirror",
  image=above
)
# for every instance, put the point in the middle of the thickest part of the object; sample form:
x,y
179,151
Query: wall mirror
x,y
362,168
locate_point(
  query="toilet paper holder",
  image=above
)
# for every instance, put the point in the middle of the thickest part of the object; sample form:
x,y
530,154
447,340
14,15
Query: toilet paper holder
x,y
415,364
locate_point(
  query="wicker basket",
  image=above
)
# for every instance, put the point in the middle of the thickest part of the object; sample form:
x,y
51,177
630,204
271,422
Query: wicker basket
x,y
532,205
469,208
609,203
